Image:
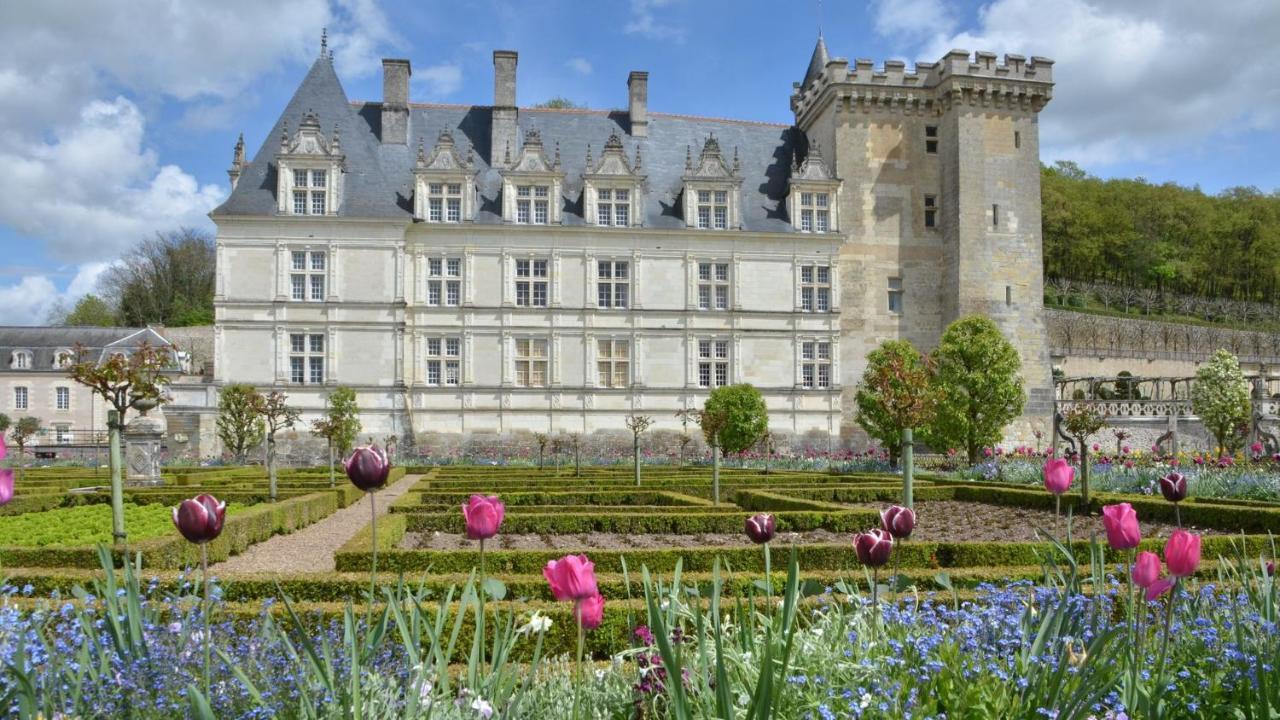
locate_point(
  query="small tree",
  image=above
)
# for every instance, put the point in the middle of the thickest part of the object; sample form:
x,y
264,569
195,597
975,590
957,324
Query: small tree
x,y
5,423
277,415
239,425
541,439
768,444
897,395
979,389
736,417
23,430
1220,396
685,416
1080,421
575,442
340,425
637,424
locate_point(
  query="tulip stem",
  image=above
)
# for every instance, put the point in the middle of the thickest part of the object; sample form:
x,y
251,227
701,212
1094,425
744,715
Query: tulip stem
x,y
1168,625
768,578
373,570
577,670
1057,511
208,637
480,616
1177,515
875,586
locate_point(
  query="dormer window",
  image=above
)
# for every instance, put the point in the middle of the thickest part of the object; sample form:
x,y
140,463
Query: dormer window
x,y
310,188
310,170
532,203
711,188
713,209
613,207
612,187
444,202
444,183
815,213
20,360
63,359
813,192
531,188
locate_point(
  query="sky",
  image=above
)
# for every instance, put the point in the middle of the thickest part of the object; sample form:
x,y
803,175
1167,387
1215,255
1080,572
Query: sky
x,y
118,119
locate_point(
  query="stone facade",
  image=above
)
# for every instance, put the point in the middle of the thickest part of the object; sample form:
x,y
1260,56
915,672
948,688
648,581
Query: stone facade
x,y
459,266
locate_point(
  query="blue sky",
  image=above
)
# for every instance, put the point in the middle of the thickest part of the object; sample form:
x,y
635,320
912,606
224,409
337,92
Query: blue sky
x,y
118,121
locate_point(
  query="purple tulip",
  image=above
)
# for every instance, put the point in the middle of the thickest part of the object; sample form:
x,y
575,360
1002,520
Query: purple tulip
x,y
1174,487
200,518
6,486
760,528
483,516
368,467
898,521
873,547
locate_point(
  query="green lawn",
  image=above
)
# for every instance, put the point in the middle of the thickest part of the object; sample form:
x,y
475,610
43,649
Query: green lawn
x,y
84,525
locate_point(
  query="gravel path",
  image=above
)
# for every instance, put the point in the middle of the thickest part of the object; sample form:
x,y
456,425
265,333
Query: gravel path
x,y
311,548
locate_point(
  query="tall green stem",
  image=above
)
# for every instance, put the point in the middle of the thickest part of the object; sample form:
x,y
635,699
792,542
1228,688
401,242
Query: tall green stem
x,y
208,635
577,668
1168,625
373,569
480,615
768,578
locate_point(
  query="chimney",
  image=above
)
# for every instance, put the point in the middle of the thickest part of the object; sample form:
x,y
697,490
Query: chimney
x,y
502,137
395,101
638,102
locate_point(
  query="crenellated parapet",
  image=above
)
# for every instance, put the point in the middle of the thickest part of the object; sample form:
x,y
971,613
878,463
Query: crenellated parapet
x,y
980,79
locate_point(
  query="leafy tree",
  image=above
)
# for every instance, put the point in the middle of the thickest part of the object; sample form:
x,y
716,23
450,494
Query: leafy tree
x,y
5,422
733,419
340,424
239,425
1080,421
276,414
637,424
541,439
979,389
89,310
560,103
166,280
897,395
1220,396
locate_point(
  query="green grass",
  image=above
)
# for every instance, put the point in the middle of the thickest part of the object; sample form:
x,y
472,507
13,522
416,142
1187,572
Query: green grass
x,y
84,525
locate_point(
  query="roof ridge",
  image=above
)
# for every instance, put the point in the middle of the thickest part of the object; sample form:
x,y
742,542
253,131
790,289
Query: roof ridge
x,y
586,111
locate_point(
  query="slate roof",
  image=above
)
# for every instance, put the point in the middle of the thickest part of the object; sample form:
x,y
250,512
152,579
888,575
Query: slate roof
x,y
44,342
379,178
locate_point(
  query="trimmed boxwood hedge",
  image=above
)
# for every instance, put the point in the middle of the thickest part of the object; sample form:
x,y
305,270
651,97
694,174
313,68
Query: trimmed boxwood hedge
x,y
568,497
600,520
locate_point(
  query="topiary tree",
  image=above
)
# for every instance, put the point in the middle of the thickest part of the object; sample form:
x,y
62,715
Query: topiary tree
x,y
1080,421
637,424
1220,396
733,419
541,439
897,394
979,388
239,425
340,425
685,416
276,415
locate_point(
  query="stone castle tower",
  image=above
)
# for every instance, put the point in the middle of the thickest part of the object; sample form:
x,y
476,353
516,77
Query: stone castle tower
x,y
940,202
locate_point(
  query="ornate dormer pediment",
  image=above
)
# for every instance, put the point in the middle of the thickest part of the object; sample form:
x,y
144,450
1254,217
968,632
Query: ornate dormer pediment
x,y
813,191
444,156
533,157
813,167
309,140
711,164
711,188
311,169
532,187
444,185
612,187
613,159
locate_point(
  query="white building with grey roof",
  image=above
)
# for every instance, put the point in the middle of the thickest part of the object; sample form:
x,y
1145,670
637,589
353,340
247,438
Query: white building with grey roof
x,y
500,268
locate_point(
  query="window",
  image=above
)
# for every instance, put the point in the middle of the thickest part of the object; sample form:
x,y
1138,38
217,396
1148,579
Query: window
x,y
895,295
713,363
444,361
62,433
532,204
613,207
1017,140
62,398
995,216
444,202
613,284
931,139
531,283
307,279
713,286
531,362
815,288
613,363
931,211
713,209
306,358
20,360
310,192
63,359
444,281
815,212
815,364
1008,294
20,399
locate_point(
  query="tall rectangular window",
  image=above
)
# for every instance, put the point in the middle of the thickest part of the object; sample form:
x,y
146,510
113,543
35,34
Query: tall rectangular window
x,y
931,211
713,286
533,203
444,202
713,363
995,216
310,192
62,398
815,288
308,275
713,209
815,212
895,295
613,207
1017,140
531,362
443,359
613,363
613,284
20,398
815,364
306,358
931,139
444,281
531,283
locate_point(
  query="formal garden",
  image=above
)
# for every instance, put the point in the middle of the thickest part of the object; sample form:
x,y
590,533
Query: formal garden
x,y
1074,582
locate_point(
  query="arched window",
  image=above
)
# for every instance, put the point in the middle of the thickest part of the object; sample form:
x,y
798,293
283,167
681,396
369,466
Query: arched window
x,y
20,360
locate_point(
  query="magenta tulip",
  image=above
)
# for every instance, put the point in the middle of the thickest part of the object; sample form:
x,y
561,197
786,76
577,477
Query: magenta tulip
x,y
6,486
483,516
590,611
1058,475
1174,487
1146,570
873,547
898,521
760,528
367,467
572,577
1159,587
1121,523
1271,568
1182,553
200,518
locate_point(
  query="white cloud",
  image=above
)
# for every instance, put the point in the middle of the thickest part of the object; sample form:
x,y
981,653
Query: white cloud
x,y
644,21
1134,79
916,19
579,65
362,36
439,81
30,300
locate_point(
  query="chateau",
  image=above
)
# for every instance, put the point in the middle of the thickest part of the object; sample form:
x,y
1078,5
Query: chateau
x,y
498,268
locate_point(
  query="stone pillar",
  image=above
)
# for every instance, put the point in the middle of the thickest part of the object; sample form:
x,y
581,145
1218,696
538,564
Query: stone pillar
x,y
143,437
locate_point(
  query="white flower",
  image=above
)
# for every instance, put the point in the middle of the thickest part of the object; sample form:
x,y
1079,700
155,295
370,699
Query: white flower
x,y
865,701
599,675
482,708
538,623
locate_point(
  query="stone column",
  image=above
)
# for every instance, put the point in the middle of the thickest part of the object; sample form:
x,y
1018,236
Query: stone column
x,y
143,437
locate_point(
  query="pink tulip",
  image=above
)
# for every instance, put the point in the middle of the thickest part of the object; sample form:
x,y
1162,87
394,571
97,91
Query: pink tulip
x,y
483,516
1121,523
590,611
6,486
367,467
200,518
1058,475
760,528
873,547
898,521
1146,570
572,577
1182,553
1159,587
